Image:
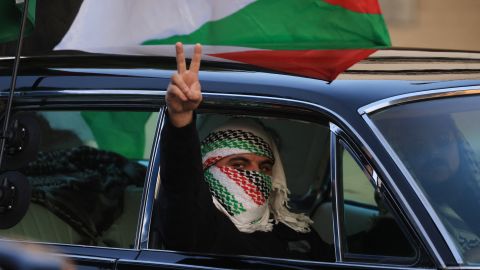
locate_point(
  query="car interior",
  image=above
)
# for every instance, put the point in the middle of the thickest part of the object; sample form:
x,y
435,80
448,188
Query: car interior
x,y
60,132
304,146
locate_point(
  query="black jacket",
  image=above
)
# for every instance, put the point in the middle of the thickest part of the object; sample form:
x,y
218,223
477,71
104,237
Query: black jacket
x,y
190,221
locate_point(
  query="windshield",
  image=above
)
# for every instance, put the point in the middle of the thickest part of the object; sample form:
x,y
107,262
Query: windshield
x,y
438,141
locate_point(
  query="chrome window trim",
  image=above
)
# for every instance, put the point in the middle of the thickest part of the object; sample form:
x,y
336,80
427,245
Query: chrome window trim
x,y
148,198
85,257
410,97
34,93
337,198
426,204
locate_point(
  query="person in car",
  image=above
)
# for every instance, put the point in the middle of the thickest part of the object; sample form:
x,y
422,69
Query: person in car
x,y
443,161
227,194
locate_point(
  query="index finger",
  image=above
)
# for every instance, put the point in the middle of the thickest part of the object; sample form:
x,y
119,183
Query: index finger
x,y
197,56
181,66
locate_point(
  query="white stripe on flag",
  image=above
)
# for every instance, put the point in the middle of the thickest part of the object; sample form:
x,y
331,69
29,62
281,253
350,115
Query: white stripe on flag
x,y
125,23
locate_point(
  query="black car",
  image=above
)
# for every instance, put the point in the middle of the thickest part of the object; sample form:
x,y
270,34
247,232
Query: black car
x,y
385,159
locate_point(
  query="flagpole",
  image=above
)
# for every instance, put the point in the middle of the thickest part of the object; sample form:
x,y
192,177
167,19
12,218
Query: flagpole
x,y
13,82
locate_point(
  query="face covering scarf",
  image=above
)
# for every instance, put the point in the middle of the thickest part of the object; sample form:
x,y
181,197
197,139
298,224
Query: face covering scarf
x,y
248,198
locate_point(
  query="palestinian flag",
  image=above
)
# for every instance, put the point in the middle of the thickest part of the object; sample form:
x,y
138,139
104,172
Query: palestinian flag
x,y
11,19
120,132
313,38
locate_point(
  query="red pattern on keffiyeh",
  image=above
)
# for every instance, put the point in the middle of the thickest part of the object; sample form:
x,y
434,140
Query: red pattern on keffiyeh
x,y
245,183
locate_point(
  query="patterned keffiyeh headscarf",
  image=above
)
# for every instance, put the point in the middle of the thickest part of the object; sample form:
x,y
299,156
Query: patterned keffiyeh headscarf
x,y
252,200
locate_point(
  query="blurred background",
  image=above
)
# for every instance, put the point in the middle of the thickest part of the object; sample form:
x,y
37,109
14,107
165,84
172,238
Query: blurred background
x,y
442,24
434,24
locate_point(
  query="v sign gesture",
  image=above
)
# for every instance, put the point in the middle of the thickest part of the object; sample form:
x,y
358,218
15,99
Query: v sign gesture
x,y
184,91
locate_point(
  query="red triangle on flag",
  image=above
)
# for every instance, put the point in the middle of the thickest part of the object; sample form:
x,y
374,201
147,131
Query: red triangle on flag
x,y
320,64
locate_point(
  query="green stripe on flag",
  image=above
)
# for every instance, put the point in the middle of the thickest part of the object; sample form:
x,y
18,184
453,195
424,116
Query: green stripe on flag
x,y
11,19
290,25
119,132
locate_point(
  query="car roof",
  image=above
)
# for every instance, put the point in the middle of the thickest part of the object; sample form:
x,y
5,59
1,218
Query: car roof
x,y
385,74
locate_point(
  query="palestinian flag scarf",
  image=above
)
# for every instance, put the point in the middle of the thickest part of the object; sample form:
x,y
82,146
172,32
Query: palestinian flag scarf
x,y
252,200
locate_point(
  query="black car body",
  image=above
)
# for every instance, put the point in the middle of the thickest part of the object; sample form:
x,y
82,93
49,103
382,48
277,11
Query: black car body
x,y
329,133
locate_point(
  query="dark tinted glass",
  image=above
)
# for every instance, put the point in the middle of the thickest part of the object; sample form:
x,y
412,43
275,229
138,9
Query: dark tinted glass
x,y
369,225
438,142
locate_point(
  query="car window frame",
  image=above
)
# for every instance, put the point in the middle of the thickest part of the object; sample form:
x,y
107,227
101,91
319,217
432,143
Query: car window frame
x,y
444,248
258,106
86,255
340,139
270,106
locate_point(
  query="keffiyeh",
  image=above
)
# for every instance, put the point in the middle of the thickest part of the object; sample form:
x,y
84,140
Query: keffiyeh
x,y
252,200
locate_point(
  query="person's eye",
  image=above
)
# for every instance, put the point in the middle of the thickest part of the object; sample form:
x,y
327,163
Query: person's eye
x,y
266,168
238,165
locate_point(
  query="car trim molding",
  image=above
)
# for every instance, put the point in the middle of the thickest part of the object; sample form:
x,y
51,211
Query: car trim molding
x,y
85,257
304,264
431,94
337,199
89,92
151,187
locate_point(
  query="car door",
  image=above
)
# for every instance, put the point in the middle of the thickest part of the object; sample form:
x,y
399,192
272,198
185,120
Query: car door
x,y
310,153
88,177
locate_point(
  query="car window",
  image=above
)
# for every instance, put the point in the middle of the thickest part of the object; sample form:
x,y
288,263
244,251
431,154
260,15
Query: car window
x,y
369,225
87,177
439,149
356,186
303,152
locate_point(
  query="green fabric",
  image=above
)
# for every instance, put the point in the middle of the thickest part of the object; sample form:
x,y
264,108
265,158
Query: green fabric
x,y
235,143
227,199
290,25
119,132
11,19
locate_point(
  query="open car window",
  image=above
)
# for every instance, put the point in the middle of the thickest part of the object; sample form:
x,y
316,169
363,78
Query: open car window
x,y
303,148
87,178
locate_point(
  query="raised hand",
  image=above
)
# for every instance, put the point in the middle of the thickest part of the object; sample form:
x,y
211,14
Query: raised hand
x,y
184,91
